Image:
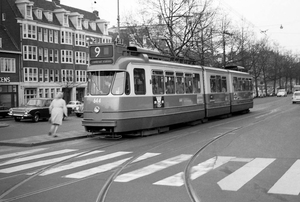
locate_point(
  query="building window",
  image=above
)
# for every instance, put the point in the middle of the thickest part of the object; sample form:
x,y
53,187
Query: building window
x,y
30,74
40,34
55,36
79,40
29,93
41,54
29,31
41,75
80,76
51,36
66,56
79,23
67,75
46,76
51,78
56,79
30,53
50,16
39,14
66,37
51,58
8,65
80,57
56,56
28,12
0,42
66,21
46,55
45,35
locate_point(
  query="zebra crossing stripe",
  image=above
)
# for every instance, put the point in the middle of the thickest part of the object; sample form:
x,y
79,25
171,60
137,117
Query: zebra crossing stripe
x,y
109,166
196,171
289,183
38,156
96,170
77,164
36,164
152,168
5,156
240,177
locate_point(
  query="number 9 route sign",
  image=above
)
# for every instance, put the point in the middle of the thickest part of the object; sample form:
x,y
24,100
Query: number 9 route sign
x,y
101,51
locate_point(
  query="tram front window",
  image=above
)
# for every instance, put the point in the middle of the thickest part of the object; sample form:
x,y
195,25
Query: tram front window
x,y
102,82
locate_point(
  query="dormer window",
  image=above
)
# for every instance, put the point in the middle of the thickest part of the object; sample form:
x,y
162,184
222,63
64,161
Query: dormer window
x,y
50,16
28,12
39,14
86,24
79,22
66,20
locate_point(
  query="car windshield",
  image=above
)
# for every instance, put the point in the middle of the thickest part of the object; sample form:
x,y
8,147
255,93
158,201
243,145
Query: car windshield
x,y
72,103
35,102
297,94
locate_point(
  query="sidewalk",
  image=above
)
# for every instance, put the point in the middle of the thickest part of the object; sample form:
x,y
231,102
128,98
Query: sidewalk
x,y
43,139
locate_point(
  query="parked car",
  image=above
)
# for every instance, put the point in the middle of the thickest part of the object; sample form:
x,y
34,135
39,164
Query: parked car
x,y
35,109
296,97
73,104
4,111
281,93
79,110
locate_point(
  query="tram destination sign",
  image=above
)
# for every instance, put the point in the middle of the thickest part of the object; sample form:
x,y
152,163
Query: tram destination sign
x,y
101,61
101,51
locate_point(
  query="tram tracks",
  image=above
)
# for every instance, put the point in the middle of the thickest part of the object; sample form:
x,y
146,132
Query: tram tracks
x,y
152,146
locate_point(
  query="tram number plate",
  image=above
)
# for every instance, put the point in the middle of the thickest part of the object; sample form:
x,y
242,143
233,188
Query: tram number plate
x,y
97,100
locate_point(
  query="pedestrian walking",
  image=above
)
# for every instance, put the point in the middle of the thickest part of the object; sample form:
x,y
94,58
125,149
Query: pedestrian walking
x,y
57,110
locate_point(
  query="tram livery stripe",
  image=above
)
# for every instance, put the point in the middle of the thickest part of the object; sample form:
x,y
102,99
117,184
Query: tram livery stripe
x,y
5,156
196,171
77,164
38,156
152,168
289,183
106,167
36,164
240,177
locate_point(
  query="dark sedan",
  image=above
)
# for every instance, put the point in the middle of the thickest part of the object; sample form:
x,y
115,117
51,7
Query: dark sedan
x,y
35,109
4,111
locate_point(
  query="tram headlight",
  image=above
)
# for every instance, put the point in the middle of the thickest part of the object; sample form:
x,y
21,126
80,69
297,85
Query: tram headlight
x,y
97,109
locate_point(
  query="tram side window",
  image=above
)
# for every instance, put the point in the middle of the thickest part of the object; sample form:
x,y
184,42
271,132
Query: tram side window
x,y
188,83
157,82
139,81
213,85
196,83
235,84
224,84
179,83
219,84
170,82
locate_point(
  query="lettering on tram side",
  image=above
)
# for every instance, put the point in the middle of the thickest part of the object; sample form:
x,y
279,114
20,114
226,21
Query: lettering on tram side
x,y
97,100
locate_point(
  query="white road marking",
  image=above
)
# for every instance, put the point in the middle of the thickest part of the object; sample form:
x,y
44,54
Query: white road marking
x,y
38,156
36,164
4,156
289,183
196,171
77,164
152,168
109,166
240,177
96,170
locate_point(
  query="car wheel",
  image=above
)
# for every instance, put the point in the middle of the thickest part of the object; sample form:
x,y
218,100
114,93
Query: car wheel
x,y
78,115
36,118
17,119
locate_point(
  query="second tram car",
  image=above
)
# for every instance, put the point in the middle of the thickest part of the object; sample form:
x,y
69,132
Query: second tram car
x,y
131,89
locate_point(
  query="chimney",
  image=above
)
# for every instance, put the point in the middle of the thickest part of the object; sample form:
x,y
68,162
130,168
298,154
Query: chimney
x,y
57,2
96,13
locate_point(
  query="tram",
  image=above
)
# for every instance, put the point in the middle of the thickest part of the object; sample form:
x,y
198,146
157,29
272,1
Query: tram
x,y
136,90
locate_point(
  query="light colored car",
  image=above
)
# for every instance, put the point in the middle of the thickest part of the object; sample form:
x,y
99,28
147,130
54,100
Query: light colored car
x,y
79,111
281,93
73,104
296,97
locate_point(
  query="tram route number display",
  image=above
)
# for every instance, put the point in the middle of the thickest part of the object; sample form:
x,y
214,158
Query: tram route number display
x,y
101,51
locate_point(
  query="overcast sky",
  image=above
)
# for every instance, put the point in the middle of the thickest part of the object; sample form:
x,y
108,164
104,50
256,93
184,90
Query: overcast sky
x,y
262,15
